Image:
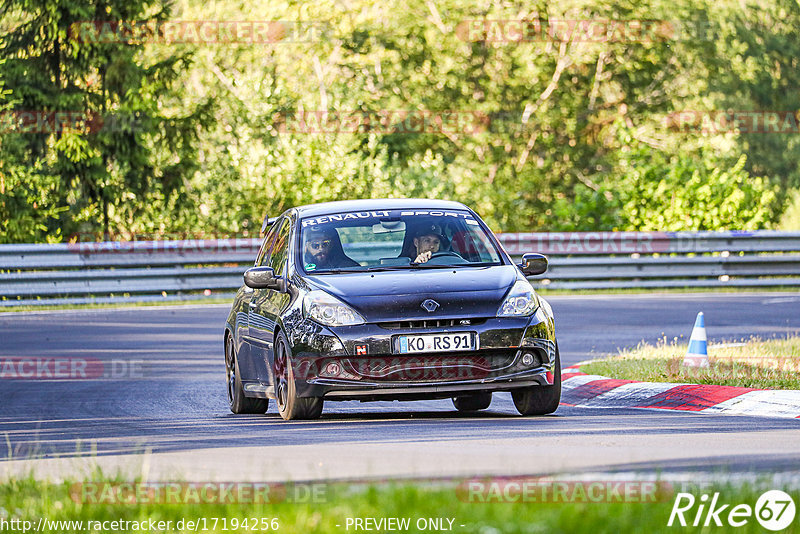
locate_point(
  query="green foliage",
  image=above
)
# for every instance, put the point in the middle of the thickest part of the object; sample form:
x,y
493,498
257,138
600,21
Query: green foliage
x,y
791,217
688,194
762,73
125,156
657,191
573,137
552,504
770,364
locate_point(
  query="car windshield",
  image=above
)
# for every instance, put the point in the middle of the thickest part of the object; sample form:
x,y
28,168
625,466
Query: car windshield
x,y
394,239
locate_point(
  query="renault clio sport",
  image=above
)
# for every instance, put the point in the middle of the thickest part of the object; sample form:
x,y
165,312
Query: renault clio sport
x,y
388,300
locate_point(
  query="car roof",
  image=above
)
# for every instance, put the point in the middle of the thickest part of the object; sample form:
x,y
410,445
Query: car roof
x,y
325,208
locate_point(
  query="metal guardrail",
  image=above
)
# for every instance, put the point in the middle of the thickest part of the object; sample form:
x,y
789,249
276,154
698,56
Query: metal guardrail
x,y
174,270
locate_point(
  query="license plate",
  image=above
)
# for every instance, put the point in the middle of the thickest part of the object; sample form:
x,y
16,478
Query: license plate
x,y
435,343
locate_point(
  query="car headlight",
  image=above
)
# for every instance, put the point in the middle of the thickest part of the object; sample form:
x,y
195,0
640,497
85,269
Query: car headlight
x,y
521,301
328,310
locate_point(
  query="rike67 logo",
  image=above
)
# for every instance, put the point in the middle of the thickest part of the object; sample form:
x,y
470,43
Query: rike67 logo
x,y
774,510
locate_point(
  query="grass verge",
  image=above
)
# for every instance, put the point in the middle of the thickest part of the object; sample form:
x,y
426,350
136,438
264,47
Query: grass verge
x,y
573,512
754,363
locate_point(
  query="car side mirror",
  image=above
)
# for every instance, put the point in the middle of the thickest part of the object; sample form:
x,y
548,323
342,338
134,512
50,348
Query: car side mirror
x,y
533,264
263,278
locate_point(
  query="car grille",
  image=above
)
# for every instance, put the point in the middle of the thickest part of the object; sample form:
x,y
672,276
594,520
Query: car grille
x,y
431,367
431,323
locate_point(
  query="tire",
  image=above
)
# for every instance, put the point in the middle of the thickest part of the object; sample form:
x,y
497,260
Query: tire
x,y
540,400
290,406
472,403
237,401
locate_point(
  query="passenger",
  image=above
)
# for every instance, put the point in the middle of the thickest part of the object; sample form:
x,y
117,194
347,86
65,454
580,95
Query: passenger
x,y
323,250
427,242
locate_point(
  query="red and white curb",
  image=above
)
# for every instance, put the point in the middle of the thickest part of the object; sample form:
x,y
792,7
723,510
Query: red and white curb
x,y
595,391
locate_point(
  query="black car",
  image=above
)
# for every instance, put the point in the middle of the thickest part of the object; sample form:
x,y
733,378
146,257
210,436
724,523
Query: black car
x,y
390,299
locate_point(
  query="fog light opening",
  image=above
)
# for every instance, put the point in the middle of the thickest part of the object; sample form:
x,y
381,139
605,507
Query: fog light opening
x,y
532,359
333,369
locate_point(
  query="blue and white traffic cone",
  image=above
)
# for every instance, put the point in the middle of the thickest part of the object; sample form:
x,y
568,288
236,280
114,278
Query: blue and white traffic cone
x,y
697,354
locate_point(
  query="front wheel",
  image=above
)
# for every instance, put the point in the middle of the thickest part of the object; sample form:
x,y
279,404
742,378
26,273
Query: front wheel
x,y
290,406
540,400
237,402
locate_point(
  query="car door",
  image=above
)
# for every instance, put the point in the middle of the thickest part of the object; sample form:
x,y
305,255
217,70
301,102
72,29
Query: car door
x,y
247,366
266,304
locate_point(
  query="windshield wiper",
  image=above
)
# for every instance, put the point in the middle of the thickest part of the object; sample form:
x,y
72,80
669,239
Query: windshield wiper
x,y
452,265
388,268
337,271
411,265
365,269
361,269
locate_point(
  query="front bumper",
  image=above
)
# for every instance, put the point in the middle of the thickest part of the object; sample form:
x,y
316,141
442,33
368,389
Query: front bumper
x,y
360,362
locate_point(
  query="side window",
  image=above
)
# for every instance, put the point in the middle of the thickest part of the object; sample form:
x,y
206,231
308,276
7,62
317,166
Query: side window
x,y
266,247
280,250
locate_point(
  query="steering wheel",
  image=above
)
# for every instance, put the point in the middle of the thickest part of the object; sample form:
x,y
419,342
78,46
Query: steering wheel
x,y
444,254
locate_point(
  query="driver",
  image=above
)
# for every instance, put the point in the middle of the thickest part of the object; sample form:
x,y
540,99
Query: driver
x,y
317,251
322,250
427,242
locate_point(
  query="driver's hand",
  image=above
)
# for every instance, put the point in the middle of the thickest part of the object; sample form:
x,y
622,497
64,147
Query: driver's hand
x,y
422,258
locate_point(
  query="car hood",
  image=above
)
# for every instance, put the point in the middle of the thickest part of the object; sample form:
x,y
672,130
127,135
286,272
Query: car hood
x,y
398,295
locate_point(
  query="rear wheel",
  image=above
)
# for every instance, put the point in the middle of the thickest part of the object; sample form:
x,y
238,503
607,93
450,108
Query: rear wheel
x,y
540,400
236,400
290,406
472,403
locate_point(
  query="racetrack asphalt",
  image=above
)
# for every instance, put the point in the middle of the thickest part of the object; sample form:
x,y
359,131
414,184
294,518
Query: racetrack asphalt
x,y
176,411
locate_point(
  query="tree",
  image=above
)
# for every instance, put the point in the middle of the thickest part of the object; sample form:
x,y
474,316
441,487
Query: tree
x,y
96,148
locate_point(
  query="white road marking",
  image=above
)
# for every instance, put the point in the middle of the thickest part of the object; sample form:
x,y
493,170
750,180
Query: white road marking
x,y
627,395
772,403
